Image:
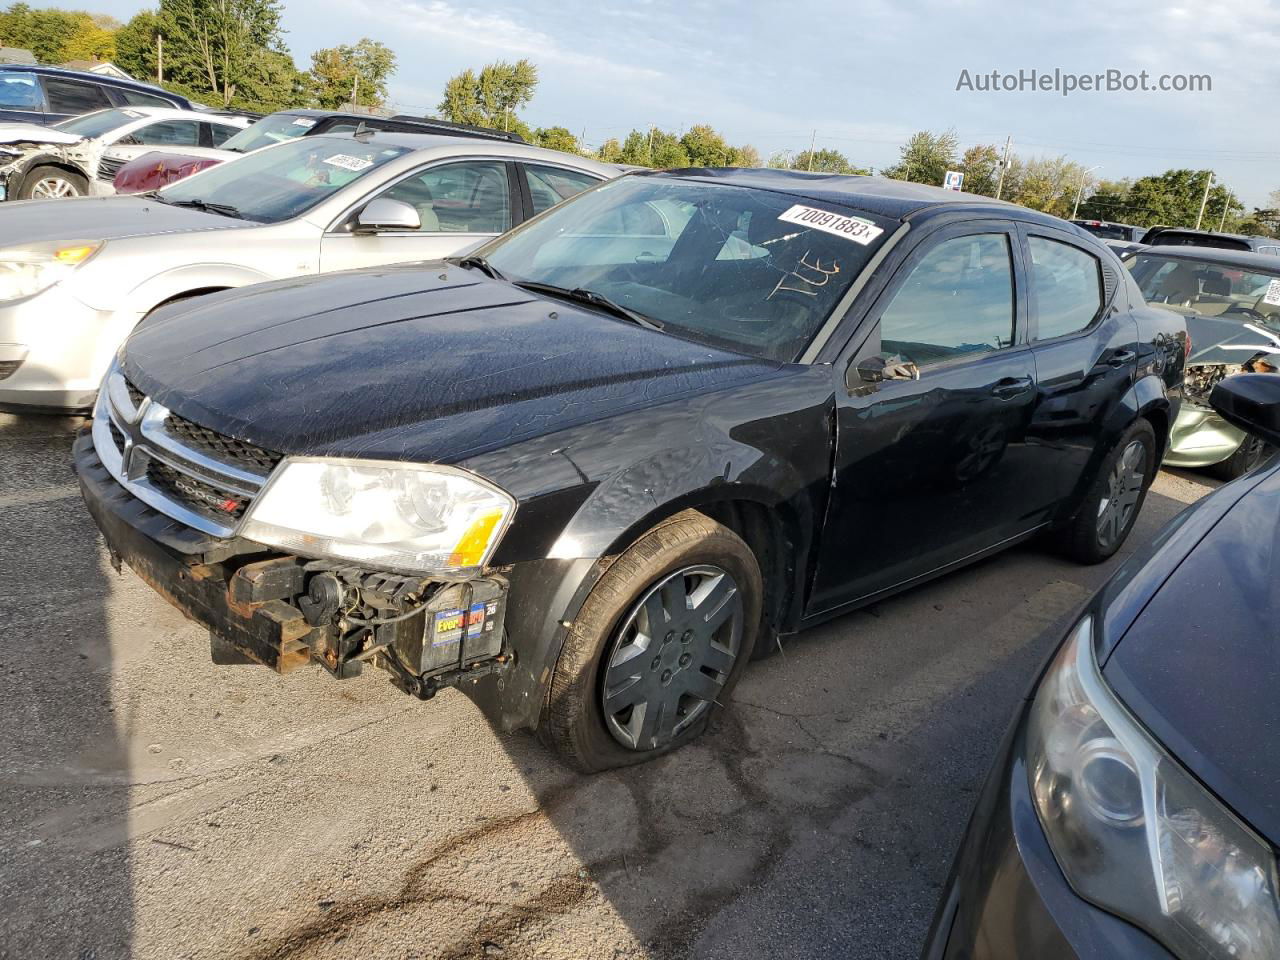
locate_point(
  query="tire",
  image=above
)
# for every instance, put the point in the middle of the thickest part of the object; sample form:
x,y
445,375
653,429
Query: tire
x,y
1251,452
594,717
1085,538
50,182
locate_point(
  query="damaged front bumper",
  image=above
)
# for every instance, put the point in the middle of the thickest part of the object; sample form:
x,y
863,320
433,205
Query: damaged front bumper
x,y
284,611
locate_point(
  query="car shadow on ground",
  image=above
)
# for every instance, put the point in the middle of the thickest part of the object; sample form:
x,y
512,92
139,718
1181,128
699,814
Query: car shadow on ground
x,y
64,793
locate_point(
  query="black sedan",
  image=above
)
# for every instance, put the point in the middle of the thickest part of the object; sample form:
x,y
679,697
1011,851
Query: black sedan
x,y
591,470
1134,808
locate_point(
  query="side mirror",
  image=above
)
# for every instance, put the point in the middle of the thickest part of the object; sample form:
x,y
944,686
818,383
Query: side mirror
x,y
1250,401
383,213
879,368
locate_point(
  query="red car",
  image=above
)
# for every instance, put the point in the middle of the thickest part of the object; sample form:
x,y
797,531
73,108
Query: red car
x,y
155,170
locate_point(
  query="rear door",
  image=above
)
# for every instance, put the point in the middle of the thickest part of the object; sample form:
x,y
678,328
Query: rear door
x,y
1086,350
71,98
460,204
927,471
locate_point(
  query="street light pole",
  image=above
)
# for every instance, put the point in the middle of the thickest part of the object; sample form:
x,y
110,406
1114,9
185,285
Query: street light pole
x,y
1004,165
1080,189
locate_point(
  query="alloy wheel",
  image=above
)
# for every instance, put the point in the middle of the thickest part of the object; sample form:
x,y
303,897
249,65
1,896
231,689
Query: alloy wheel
x,y
52,187
671,656
1124,488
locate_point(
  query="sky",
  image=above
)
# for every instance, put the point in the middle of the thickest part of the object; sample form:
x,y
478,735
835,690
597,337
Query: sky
x,y
863,74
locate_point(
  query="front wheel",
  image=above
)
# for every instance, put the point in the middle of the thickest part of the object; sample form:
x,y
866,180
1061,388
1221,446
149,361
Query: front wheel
x,y
1111,507
1251,452
50,183
658,646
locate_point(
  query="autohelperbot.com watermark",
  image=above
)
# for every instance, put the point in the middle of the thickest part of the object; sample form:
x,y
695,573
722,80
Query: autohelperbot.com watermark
x,y
1065,82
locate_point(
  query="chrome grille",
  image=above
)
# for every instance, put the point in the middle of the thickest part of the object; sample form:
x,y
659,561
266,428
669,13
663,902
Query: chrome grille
x,y
108,167
187,472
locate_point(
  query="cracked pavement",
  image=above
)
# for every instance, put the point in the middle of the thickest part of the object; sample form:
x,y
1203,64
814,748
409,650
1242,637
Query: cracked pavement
x,y
155,806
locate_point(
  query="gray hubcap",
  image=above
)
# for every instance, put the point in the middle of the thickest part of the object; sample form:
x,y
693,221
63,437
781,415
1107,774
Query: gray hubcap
x,y
1120,500
51,187
671,656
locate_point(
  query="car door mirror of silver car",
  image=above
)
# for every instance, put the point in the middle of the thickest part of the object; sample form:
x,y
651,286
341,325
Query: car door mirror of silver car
x,y
384,213
1250,401
879,368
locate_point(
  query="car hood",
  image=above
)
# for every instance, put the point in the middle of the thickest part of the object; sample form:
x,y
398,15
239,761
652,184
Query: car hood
x,y
1200,667
170,160
430,363
34,133
101,218
1216,340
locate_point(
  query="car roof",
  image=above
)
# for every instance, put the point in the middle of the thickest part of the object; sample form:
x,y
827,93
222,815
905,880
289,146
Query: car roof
x,y
1245,259
99,78
894,199
474,145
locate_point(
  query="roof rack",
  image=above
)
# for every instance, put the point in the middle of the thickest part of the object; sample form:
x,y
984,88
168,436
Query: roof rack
x,y
457,129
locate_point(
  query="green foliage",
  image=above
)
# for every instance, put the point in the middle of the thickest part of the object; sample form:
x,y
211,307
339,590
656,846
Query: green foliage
x,y
823,161
1171,198
981,168
362,69
491,97
610,151
556,138
136,45
701,146
926,157
56,36
230,49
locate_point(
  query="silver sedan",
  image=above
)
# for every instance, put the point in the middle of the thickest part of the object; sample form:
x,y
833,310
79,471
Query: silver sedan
x,y
77,275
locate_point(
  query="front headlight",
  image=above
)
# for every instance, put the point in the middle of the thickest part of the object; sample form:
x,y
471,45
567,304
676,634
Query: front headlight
x,y
26,271
1134,832
415,518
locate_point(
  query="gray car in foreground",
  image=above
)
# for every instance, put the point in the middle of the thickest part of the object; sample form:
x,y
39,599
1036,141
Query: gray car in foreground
x,y
77,275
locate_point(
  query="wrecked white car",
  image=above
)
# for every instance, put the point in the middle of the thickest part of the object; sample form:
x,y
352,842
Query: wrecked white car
x,y
1231,301
66,159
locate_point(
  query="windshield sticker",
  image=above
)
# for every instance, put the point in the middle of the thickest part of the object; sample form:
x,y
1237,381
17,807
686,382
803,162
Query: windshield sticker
x,y
807,277
133,113
1273,294
851,228
304,122
355,164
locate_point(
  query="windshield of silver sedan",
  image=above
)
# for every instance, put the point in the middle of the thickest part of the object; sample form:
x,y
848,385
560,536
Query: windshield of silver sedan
x,y
1209,288
280,182
751,270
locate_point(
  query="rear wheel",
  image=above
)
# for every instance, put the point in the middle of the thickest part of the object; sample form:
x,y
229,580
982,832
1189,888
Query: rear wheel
x,y
1111,507
1251,452
657,647
49,183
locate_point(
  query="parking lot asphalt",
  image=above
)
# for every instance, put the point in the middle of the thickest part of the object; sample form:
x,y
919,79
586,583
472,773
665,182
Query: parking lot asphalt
x,y
155,806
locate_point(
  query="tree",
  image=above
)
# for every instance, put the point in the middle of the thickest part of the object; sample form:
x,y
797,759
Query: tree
x,y
926,157
55,36
1171,198
610,152
745,156
981,168
557,138
352,74
226,47
136,46
491,97
826,161
1048,184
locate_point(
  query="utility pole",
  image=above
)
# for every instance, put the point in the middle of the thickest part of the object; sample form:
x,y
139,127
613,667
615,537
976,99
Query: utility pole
x,y
651,143
159,58
1222,224
1080,190
813,140
1204,199
1004,165
355,86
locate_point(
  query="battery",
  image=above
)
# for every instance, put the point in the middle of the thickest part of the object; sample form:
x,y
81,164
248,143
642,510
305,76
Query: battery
x,y
462,625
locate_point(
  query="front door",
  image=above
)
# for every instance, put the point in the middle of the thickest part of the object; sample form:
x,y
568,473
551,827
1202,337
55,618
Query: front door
x,y
460,205
927,470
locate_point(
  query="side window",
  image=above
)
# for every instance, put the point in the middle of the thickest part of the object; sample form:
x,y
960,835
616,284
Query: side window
x,y
958,300
468,197
135,98
69,96
220,133
1066,287
174,133
20,91
549,185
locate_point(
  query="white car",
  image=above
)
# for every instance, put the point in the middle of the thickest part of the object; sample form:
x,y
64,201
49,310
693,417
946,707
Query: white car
x,y
64,160
77,276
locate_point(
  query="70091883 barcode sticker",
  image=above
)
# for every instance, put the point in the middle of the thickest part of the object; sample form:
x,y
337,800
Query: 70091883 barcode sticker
x,y
851,228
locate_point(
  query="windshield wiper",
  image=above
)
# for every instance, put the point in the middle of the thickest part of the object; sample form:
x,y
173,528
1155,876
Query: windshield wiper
x,y
223,209
590,297
480,263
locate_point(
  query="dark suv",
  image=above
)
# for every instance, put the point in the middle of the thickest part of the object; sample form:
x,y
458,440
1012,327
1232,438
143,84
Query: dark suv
x,y
589,471
47,95
1184,237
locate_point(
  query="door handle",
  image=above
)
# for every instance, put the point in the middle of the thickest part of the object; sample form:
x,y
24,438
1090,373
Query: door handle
x,y
1121,357
1011,387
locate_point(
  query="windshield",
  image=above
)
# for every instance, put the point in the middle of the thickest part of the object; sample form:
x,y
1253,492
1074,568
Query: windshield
x,y
276,128
1209,289
746,269
284,181
96,124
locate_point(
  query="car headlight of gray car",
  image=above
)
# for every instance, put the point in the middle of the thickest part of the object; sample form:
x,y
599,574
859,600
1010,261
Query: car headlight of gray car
x,y
1133,831
415,518
26,271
